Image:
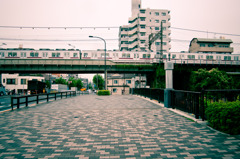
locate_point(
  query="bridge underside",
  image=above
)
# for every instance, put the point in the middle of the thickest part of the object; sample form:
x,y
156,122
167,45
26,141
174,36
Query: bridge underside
x,y
70,66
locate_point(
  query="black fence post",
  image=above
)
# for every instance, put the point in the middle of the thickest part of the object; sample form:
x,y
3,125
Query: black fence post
x,y
47,97
203,105
37,98
196,99
61,95
26,101
55,96
12,102
18,105
66,94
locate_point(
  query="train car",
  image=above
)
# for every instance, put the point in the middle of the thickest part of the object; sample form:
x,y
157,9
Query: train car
x,y
117,56
29,53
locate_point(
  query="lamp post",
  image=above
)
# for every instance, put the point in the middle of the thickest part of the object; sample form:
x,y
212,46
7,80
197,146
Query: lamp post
x,y
105,68
72,46
3,44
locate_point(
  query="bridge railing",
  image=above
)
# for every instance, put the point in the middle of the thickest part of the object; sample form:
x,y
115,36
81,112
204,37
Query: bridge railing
x,y
29,99
156,93
188,101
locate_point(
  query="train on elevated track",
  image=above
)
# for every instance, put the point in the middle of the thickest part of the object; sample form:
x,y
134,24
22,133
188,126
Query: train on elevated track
x,y
118,56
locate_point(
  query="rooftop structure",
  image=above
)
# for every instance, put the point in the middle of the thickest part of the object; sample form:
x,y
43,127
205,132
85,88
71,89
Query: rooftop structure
x,y
135,35
219,46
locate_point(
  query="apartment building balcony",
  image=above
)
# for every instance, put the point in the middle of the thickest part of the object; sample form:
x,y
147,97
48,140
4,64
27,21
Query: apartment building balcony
x,y
213,49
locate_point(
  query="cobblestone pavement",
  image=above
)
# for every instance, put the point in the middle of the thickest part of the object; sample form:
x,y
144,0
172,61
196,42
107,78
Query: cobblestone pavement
x,y
90,126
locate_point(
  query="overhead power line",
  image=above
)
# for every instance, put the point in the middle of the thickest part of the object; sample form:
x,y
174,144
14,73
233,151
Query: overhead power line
x,y
109,27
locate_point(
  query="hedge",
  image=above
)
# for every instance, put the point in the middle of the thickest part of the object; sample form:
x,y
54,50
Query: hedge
x,y
103,92
224,117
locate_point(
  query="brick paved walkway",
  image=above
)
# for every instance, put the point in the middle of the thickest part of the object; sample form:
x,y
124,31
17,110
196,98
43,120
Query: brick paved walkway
x,y
90,126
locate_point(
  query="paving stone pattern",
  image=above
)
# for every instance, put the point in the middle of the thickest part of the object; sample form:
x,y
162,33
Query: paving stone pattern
x,y
90,126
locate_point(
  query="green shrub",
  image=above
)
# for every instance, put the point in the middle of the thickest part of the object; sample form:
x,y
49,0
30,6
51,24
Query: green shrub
x,y
103,92
224,117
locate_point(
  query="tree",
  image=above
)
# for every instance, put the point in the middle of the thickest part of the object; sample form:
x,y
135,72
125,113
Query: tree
x,y
212,79
61,81
90,85
98,81
75,83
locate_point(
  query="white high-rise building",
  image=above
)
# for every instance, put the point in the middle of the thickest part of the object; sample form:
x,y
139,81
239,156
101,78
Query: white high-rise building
x,y
135,35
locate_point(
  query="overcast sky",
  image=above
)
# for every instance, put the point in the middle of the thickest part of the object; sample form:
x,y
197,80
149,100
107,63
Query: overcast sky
x,y
206,15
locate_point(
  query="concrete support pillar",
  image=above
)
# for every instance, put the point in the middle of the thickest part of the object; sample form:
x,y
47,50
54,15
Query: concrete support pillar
x,y
168,66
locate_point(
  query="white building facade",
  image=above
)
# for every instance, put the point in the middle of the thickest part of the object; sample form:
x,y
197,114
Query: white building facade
x,y
135,35
18,83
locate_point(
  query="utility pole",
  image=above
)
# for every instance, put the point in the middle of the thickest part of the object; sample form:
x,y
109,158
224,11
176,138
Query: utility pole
x,y
153,37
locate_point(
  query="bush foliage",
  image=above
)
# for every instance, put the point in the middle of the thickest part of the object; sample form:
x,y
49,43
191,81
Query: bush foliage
x,y
224,117
103,92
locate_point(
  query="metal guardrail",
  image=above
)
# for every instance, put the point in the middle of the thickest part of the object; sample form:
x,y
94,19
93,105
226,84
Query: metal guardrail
x,y
188,101
157,93
25,100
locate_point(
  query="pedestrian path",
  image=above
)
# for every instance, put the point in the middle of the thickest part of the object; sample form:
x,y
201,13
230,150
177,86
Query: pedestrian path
x,y
92,126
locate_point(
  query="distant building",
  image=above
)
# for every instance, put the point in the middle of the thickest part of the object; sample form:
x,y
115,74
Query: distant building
x,y
219,46
119,84
18,83
135,35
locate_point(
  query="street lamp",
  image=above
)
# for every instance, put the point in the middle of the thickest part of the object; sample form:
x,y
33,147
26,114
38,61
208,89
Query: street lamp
x,y
105,68
72,46
3,44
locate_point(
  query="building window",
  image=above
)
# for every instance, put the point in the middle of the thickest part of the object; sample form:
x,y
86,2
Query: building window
x,y
11,81
142,18
210,45
157,43
143,34
156,28
128,81
23,81
143,26
114,90
164,21
115,81
202,45
164,14
156,21
142,11
157,13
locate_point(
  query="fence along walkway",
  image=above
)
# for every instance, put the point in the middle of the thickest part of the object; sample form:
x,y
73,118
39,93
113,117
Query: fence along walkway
x,y
188,101
25,100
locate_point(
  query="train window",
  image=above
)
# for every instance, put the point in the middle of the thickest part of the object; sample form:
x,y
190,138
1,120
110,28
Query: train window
x,y
66,54
191,56
173,56
103,54
164,56
200,56
1,54
23,54
208,57
12,54
236,58
218,57
146,55
56,54
75,55
227,58
85,55
34,54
